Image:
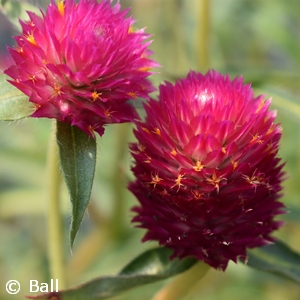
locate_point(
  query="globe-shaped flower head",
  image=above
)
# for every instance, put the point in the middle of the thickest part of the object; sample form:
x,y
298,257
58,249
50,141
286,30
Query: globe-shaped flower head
x,y
81,63
207,173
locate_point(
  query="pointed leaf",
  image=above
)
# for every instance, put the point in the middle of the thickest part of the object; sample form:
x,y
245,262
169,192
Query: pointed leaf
x,y
151,266
77,153
276,258
157,262
14,105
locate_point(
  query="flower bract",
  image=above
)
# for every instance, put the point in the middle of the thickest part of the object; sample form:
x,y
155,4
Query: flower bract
x,y
208,175
81,63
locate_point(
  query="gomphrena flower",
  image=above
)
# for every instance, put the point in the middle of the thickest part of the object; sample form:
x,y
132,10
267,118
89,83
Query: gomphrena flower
x,y
208,175
81,63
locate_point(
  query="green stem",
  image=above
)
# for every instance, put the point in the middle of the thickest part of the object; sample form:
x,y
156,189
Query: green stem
x,y
183,283
55,222
204,29
118,179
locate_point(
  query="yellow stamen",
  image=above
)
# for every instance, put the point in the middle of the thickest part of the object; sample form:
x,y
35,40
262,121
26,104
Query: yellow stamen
x,y
271,148
91,129
56,90
155,180
148,160
215,180
234,164
256,139
260,106
157,131
174,152
197,195
144,69
96,95
254,180
133,95
108,113
32,78
131,29
146,129
272,128
30,39
178,181
198,167
141,147
61,7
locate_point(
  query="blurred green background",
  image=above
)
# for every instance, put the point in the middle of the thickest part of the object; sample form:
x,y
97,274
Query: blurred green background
x,y
256,38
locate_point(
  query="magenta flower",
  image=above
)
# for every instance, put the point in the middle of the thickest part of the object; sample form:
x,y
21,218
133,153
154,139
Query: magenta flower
x,y
81,63
208,175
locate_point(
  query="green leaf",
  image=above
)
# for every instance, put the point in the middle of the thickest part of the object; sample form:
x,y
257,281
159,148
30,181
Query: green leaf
x,y
14,105
276,258
157,262
77,153
151,266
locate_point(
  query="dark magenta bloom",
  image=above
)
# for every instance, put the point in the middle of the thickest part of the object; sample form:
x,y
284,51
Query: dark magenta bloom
x,y
81,63
208,177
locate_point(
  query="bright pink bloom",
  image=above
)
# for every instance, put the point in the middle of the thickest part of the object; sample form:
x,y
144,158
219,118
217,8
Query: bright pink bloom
x,y
81,63
208,175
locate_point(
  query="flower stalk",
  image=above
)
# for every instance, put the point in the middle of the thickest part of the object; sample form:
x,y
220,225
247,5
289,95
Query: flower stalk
x,y
118,177
55,222
203,40
183,283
